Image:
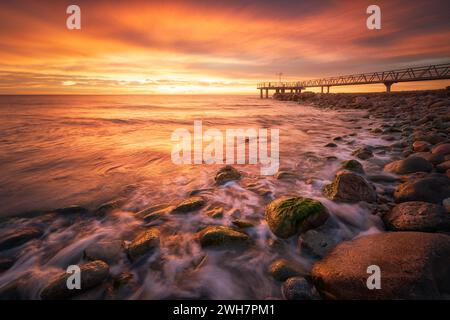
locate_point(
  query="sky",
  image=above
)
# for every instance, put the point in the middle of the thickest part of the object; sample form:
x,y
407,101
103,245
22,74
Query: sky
x,y
159,47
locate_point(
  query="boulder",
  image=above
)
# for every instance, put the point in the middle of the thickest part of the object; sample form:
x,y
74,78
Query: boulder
x,y
317,243
220,236
428,189
190,204
348,186
92,274
215,213
226,174
363,153
414,265
353,165
108,251
282,269
421,146
19,237
145,242
298,288
417,216
287,216
444,166
409,165
441,149
433,158
243,223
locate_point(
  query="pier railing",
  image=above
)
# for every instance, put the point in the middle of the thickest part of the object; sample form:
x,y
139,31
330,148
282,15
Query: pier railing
x,y
432,72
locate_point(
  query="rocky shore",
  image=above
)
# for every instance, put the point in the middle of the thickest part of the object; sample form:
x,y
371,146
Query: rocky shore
x,y
410,195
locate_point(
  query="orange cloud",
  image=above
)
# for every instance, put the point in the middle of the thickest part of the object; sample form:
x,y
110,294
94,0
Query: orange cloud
x,y
208,47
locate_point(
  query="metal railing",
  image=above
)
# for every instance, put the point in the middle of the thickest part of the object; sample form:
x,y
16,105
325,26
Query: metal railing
x,y
433,72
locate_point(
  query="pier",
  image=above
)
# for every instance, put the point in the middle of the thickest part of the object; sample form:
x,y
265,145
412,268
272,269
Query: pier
x,y
388,78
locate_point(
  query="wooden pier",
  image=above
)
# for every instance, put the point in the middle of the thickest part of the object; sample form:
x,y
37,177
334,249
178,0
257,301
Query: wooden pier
x,y
433,72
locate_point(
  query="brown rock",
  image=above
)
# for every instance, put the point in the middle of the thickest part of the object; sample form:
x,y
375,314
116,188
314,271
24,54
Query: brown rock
x,y
417,216
442,149
92,274
413,265
350,187
283,269
409,165
145,242
432,189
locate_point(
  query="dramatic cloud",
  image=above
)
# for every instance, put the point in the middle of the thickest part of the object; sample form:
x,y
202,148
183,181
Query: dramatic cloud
x,y
209,46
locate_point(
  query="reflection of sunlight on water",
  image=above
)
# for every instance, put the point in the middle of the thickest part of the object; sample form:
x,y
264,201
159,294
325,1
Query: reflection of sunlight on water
x,y
88,150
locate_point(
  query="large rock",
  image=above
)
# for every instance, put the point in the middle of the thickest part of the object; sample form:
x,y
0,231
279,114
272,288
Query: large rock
x,y
442,149
413,265
298,288
145,242
350,187
287,216
219,236
363,153
418,216
409,165
92,274
353,165
226,174
108,251
188,205
444,166
317,243
428,189
19,237
282,269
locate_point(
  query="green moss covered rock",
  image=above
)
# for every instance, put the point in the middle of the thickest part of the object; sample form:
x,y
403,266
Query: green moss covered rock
x,y
287,216
219,236
226,174
353,165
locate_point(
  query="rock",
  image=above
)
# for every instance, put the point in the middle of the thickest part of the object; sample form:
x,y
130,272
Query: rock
x,y
444,166
215,213
421,146
433,158
287,216
363,153
297,288
19,237
441,149
428,189
108,251
285,175
226,174
350,187
145,242
382,178
417,216
409,165
353,165
188,205
317,243
219,236
145,212
74,209
446,204
282,269
242,223
5,264
92,274
414,265
330,145
108,207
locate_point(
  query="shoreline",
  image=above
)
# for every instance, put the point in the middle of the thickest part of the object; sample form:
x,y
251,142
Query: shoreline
x,y
397,196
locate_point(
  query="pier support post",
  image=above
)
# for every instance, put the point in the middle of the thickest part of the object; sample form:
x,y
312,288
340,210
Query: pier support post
x,y
321,89
388,85
328,89
261,93
267,93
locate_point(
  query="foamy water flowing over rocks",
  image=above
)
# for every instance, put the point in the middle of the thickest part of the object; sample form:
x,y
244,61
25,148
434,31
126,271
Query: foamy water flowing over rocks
x,y
363,179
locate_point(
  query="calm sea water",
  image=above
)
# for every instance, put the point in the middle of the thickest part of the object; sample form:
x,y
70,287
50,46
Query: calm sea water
x,y
57,151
